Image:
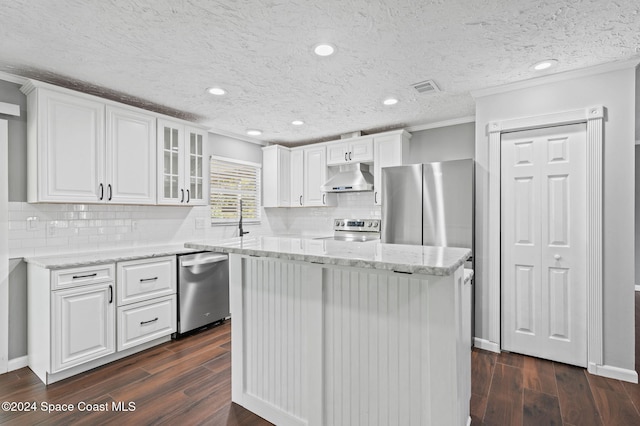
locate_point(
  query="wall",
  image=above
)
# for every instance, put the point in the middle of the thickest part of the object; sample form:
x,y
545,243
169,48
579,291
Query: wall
x,y
10,93
637,215
616,91
443,143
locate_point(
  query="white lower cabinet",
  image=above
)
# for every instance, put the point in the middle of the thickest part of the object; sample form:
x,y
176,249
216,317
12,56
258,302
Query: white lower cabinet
x,y
84,317
83,325
147,301
145,321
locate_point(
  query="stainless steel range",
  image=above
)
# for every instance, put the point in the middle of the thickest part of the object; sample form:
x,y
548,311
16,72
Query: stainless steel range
x,y
359,230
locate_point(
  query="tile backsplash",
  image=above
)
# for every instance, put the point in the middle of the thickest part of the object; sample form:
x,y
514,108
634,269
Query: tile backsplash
x,y
45,229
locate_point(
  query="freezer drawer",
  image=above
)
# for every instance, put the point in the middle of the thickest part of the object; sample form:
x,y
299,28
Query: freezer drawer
x,y
203,289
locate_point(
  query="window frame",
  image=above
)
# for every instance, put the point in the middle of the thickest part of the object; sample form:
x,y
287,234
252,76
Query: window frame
x,y
258,192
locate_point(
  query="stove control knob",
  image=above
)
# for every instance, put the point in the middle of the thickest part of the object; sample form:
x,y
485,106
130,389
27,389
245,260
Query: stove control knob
x,y
375,224
369,224
341,223
337,223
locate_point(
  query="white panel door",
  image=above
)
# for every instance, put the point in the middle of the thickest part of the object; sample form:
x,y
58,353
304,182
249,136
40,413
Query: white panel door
x,y
83,325
543,217
71,155
171,163
387,153
131,157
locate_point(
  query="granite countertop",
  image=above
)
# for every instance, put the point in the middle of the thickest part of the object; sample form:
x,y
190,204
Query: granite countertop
x,y
74,260
372,254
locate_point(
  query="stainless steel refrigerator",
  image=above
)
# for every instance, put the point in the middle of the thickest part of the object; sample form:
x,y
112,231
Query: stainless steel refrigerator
x,y
429,204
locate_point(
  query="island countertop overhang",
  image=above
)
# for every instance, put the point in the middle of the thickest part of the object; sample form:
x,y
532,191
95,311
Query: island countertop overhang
x,y
413,259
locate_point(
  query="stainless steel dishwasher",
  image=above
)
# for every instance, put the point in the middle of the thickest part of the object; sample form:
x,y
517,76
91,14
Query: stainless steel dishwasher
x,y
203,289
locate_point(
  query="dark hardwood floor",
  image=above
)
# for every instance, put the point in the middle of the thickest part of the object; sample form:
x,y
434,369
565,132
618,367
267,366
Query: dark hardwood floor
x,y
188,381
511,389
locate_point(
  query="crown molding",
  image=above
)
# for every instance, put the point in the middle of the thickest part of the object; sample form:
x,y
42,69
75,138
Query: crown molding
x,y
553,78
445,123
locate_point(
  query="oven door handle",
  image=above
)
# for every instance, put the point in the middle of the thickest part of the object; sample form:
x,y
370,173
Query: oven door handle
x,y
204,260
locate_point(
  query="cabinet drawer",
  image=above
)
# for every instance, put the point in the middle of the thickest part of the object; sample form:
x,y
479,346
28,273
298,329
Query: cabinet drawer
x,y
145,321
144,279
87,275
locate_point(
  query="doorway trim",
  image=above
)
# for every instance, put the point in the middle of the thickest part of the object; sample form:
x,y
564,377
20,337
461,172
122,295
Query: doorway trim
x,y
593,117
4,248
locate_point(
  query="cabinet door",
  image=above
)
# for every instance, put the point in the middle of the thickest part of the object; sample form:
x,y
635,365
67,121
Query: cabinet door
x,y
276,176
171,161
131,157
361,151
315,175
83,325
70,163
388,151
297,177
337,153
196,168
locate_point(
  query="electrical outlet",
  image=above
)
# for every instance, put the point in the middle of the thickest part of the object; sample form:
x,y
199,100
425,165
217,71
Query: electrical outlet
x,y
200,222
32,223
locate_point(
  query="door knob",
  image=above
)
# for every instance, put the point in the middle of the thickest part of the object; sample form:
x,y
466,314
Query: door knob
x,y
557,257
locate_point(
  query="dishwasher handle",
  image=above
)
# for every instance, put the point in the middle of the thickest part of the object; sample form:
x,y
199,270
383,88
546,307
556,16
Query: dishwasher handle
x,y
204,260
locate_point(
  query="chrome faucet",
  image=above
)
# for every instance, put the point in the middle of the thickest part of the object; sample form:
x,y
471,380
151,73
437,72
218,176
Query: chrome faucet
x,y
241,233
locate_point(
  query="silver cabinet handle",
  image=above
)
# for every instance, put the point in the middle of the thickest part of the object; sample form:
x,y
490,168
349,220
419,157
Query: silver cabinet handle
x,y
301,200
324,196
375,197
149,322
345,156
144,280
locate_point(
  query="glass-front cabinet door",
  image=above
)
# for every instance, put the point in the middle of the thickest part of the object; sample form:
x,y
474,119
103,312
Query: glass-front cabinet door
x,y
195,166
171,163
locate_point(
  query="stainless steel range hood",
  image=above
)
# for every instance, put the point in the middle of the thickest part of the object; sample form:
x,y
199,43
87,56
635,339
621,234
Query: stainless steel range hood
x,y
350,178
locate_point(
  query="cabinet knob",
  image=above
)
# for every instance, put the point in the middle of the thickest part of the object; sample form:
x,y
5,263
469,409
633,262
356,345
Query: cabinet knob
x,y
557,257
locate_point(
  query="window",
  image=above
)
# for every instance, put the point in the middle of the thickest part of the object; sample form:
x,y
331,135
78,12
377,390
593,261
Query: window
x,y
233,181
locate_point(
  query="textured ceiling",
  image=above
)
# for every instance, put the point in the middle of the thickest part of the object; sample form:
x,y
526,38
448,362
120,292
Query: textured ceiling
x,y
163,54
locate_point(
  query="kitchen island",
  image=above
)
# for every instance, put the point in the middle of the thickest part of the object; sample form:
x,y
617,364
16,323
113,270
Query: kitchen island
x,y
330,332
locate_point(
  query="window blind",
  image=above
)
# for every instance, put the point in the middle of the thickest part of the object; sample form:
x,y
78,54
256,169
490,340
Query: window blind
x,y
232,181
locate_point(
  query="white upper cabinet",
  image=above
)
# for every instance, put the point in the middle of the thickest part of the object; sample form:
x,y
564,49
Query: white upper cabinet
x,y
130,160
180,154
84,149
276,176
315,175
66,148
297,177
345,152
390,149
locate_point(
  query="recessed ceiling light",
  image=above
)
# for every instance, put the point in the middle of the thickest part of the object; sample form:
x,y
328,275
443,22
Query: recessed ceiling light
x,y
545,65
324,49
390,101
216,91
297,122
254,132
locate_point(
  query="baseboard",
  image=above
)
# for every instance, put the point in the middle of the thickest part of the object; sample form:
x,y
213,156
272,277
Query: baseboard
x,y
18,363
486,345
613,372
637,287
